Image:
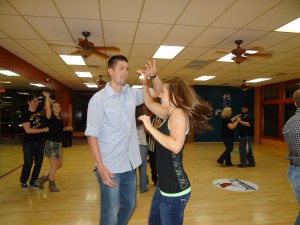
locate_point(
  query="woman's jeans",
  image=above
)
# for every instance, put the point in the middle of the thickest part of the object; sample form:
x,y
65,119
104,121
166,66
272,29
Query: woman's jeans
x,y
117,203
32,151
143,168
167,210
294,179
228,142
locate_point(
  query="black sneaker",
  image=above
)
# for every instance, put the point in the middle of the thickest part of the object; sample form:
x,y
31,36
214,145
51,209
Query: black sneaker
x,y
34,186
24,186
241,165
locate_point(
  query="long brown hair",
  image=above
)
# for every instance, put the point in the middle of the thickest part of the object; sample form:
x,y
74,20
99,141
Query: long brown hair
x,y
183,96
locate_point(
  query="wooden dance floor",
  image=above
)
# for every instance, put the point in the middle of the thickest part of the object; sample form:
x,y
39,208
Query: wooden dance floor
x,y
78,202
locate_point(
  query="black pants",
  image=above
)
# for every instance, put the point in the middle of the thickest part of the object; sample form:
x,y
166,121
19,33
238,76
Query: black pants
x,y
226,155
245,150
32,152
152,161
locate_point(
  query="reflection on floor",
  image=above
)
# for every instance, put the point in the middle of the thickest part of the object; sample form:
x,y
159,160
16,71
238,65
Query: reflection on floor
x,y
78,201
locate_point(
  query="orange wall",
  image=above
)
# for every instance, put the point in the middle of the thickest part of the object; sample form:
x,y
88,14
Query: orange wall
x,y
63,94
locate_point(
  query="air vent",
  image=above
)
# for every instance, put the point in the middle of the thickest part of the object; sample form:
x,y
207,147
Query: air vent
x,y
197,64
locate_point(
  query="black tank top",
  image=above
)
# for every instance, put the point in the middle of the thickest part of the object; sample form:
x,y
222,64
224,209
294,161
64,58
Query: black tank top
x,y
171,175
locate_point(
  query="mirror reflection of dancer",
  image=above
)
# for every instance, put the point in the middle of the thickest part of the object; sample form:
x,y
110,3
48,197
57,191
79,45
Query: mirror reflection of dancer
x,y
33,143
53,145
181,109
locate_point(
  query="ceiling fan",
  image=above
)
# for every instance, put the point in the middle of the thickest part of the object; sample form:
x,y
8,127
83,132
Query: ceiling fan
x,y
244,86
101,83
241,54
87,48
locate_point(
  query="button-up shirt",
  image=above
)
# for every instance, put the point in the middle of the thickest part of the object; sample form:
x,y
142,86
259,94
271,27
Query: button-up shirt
x,y
111,119
291,134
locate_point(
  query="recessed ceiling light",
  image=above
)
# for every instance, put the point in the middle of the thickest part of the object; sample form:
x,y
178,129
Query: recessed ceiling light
x,y
84,74
292,27
5,82
167,52
258,80
91,85
8,73
204,78
37,84
73,59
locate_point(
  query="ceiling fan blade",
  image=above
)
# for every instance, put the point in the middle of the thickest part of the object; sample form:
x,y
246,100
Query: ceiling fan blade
x,y
113,49
101,55
83,53
80,39
63,45
222,52
259,49
260,55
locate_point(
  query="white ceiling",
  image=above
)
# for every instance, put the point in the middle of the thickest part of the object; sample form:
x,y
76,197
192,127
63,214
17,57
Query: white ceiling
x,y
139,27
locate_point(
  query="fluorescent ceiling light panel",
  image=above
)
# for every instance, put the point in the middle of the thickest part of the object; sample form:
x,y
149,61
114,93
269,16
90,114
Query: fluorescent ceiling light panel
x,y
204,78
292,27
91,85
73,59
84,74
37,84
8,73
5,82
137,86
167,52
258,80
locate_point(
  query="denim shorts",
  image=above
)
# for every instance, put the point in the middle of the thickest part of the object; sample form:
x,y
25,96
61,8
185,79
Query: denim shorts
x,y
53,149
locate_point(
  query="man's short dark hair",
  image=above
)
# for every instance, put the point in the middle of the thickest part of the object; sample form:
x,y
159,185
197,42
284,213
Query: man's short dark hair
x,y
29,98
114,59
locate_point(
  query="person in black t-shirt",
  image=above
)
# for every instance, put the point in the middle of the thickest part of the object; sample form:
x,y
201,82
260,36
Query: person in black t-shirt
x,y
227,128
246,133
53,147
33,142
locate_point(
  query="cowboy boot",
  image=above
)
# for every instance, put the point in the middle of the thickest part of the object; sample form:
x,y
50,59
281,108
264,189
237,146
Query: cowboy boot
x,y
41,181
52,186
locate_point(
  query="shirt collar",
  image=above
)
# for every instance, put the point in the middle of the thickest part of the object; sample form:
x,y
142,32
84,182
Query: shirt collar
x,y
111,92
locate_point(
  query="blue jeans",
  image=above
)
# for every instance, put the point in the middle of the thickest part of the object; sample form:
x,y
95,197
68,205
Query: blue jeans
x,y
167,210
117,203
32,151
143,168
294,179
226,155
245,151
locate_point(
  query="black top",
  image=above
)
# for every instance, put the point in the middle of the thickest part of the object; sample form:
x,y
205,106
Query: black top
x,y
225,130
36,121
171,175
244,130
56,128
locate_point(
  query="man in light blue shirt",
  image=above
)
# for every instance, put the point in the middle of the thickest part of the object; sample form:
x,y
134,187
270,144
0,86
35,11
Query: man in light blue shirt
x,y
113,140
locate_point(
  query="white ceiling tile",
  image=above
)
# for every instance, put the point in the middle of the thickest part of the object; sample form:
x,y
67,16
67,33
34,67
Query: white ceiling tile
x,y
145,51
200,13
254,9
50,59
119,32
8,24
276,17
182,35
51,29
87,9
131,13
191,53
35,7
165,11
144,34
6,8
287,45
36,47
212,37
13,46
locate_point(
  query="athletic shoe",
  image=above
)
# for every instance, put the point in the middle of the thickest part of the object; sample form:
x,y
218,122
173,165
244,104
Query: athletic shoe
x,y
34,186
24,186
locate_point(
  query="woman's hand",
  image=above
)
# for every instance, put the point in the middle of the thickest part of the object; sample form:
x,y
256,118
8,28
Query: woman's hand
x,y
147,121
